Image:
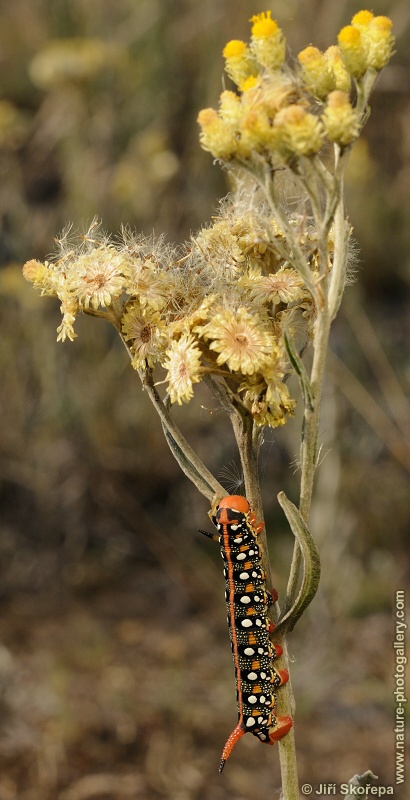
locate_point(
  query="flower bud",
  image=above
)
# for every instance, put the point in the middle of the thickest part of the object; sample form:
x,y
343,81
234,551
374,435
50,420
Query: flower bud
x,y
217,135
367,43
267,43
362,19
353,50
301,132
230,109
340,120
239,62
341,77
379,41
315,71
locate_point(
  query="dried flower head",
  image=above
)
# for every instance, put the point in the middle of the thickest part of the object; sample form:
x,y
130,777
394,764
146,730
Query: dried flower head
x,y
183,362
69,309
144,281
267,397
96,278
243,341
283,286
142,326
42,276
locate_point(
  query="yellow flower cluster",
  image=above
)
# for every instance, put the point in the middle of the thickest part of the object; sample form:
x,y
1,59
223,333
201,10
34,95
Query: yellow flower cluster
x,y
229,305
272,115
219,309
367,43
323,72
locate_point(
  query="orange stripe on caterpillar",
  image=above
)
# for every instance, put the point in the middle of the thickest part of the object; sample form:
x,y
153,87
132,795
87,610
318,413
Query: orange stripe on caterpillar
x,y
248,603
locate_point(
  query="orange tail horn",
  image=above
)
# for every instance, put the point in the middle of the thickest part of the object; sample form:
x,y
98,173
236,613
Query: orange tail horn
x,y
230,744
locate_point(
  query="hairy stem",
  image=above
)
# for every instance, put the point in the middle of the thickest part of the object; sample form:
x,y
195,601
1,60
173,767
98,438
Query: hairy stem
x,y
332,293
248,442
188,460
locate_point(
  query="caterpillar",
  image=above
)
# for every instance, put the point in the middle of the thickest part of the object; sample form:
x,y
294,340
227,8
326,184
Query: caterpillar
x,y
249,627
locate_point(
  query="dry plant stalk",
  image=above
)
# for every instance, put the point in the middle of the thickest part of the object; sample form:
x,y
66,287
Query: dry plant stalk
x,y
238,305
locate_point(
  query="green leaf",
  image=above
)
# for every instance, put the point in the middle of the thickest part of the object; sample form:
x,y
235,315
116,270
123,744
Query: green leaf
x,y
311,565
187,466
300,370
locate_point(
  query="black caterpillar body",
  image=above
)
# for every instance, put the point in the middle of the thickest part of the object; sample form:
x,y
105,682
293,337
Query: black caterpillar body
x,y
247,604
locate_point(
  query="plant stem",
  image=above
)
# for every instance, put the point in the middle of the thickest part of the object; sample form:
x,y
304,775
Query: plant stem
x,y
248,446
186,457
311,418
309,451
287,745
309,447
310,430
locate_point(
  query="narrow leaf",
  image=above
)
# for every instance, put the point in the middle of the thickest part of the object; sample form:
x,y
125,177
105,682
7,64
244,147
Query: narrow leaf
x,y
311,564
188,467
300,370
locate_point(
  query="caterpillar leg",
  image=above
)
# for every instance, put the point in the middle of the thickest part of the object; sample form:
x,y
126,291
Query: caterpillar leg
x,y
271,627
281,676
230,743
283,726
272,735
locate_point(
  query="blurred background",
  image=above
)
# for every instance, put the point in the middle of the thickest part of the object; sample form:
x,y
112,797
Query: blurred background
x,y
116,678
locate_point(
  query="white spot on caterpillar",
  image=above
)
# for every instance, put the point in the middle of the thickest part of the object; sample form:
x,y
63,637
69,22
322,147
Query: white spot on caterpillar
x,y
263,675
234,527
262,736
252,676
258,622
260,719
249,651
250,722
245,599
262,697
240,556
238,540
251,552
257,598
252,699
244,576
246,623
